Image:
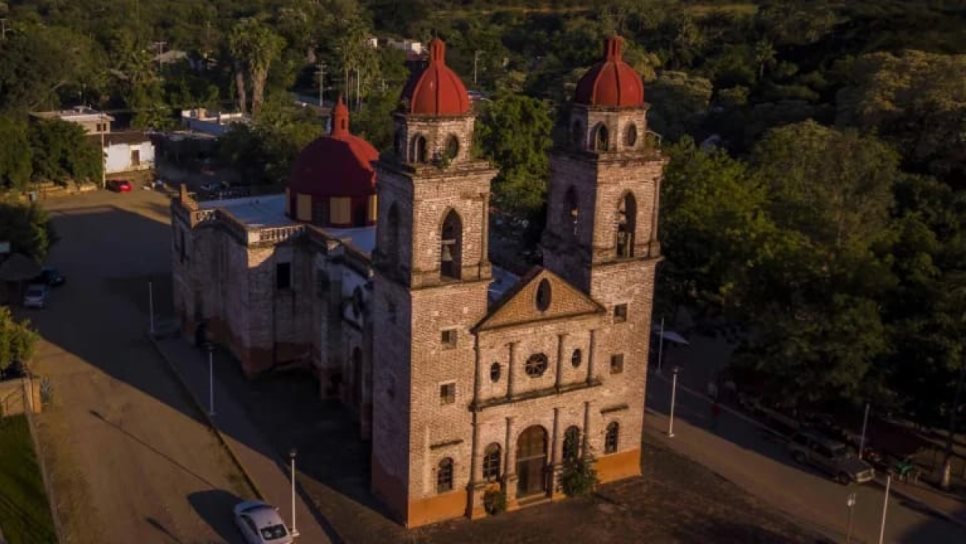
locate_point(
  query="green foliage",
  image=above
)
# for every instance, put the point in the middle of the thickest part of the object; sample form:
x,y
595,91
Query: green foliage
x,y
15,154
374,120
62,152
263,152
578,477
23,486
17,339
494,501
514,132
916,100
27,228
254,45
679,103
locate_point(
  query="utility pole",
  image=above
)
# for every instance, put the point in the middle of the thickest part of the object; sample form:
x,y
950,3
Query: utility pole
x,y
160,45
3,28
865,423
291,455
674,391
850,502
476,59
321,84
885,506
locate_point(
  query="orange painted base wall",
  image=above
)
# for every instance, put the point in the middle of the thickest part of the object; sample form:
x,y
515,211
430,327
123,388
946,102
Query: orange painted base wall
x,y
430,510
619,465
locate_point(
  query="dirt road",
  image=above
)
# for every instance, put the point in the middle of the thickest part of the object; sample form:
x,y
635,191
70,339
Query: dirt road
x,y
129,456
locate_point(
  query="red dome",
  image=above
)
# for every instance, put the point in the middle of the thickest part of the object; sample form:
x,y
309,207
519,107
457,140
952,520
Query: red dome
x,y
612,82
436,90
338,164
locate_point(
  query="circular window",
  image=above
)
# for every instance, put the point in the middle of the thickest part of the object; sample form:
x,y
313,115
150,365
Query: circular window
x,y
536,365
576,358
452,147
543,295
495,372
630,135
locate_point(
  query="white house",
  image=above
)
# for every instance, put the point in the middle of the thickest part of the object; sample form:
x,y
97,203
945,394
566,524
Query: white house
x,y
211,122
127,152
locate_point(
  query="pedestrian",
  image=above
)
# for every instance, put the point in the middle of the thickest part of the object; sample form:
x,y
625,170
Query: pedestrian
x,y
713,390
715,413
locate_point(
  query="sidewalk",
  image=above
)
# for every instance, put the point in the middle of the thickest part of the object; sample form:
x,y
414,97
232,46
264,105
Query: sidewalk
x,y
258,459
943,505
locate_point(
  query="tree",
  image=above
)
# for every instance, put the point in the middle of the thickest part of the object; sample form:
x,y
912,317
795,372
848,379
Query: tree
x,y
62,152
374,120
27,228
916,100
514,132
17,339
680,102
255,46
15,154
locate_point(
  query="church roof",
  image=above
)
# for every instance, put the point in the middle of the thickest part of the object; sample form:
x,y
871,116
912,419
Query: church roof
x,y
541,295
612,82
436,90
337,164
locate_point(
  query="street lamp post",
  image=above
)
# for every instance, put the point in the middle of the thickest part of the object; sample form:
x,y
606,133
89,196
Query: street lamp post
x,y
151,307
211,379
660,346
291,455
885,506
674,391
865,422
850,502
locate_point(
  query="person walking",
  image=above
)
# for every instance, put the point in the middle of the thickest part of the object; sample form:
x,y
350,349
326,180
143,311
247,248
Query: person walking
x,y
713,390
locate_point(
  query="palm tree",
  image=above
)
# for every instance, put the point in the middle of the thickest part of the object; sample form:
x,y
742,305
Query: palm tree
x,y
254,47
764,56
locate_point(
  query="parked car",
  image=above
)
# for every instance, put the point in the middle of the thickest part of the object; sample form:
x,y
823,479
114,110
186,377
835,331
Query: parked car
x,y
50,276
119,185
260,523
35,296
830,456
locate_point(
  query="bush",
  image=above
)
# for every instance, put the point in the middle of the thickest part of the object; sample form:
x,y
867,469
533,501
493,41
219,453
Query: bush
x,y
494,501
578,477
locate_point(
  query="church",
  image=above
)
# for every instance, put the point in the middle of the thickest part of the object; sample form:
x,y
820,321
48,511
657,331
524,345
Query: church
x,y
373,270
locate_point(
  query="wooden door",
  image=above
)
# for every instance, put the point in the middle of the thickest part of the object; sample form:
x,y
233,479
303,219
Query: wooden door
x,y
531,461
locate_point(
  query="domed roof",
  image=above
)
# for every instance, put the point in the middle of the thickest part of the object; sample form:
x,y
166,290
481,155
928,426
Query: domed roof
x,y
612,82
338,164
437,90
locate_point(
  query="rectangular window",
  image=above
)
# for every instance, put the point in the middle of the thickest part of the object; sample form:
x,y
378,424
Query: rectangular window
x,y
340,210
283,276
447,393
135,157
448,338
617,363
620,313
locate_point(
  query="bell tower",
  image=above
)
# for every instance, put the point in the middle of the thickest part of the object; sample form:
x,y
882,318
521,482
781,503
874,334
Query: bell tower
x,y
430,286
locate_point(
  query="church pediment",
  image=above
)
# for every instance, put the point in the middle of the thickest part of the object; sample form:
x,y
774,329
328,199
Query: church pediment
x,y
541,295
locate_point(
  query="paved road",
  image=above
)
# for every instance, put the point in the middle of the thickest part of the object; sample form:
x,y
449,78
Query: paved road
x,y
131,459
743,453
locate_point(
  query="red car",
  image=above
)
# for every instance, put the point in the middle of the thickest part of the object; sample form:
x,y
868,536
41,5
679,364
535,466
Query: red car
x,y
119,185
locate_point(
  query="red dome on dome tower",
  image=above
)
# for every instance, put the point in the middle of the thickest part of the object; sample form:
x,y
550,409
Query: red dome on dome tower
x,y
337,165
436,90
611,83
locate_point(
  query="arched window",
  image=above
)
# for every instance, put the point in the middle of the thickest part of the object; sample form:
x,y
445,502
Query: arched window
x,y
626,225
495,371
630,135
391,238
570,213
452,147
419,149
536,365
450,251
571,444
444,476
612,437
576,357
491,462
543,295
577,134
601,138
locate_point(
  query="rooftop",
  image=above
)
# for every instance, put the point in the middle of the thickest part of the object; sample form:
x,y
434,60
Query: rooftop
x,y
73,113
264,212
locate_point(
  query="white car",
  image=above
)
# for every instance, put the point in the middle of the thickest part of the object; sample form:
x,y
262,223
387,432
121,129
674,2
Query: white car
x,y
35,296
261,524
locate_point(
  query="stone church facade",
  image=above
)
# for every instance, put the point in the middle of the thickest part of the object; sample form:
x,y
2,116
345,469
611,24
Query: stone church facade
x,y
463,387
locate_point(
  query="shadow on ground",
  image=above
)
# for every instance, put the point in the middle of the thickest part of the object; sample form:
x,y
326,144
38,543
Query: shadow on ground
x,y
215,507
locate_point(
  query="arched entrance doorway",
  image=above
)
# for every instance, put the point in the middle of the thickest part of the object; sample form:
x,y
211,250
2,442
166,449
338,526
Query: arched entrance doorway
x,y
532,461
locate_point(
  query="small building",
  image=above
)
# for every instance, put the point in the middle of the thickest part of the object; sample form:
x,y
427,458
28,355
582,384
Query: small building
x,y
94,122
127,152
214,123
